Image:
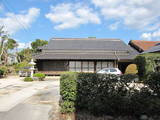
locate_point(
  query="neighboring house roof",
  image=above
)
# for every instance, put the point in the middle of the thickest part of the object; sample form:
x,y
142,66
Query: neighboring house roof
x,y
86,48
141,45
153,49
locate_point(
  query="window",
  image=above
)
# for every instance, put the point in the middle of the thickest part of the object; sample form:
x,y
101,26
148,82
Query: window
x,y
98,66
78,66
106,70
85,66
72,66
113,70
91,66
104,65
110,64
75,66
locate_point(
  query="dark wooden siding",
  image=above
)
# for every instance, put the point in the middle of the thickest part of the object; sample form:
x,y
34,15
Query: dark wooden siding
x,y
78,66
50,65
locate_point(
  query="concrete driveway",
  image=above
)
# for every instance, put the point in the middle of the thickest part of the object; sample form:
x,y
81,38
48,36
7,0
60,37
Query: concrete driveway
x,y
28,100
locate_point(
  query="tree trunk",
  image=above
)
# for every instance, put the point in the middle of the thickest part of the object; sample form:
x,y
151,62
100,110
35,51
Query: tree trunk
x,y
2,50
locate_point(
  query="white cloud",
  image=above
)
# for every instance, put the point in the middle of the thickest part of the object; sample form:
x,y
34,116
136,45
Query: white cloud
x,y
155,35
137,14
24,45
69,15
114,26
15,22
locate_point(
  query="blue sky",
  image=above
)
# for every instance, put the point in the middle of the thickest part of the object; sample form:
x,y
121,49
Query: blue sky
x,y
27,20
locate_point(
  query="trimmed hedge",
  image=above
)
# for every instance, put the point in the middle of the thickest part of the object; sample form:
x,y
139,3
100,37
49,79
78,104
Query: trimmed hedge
x,y
153,81
68,91
147,63
107,94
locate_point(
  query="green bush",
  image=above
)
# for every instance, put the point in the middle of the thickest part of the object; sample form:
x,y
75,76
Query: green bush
x,y
147,63
28,79
40,76
153,81
112,95
3,70
67,106
21,66
68,91
106,94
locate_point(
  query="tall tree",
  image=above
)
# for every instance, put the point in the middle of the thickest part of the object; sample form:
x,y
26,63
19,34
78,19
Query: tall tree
x,y
3,38
25,55
6,44
38,43
9,45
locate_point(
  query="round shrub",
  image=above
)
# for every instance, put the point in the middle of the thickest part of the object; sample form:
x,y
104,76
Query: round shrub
x,y
40,76
28,79
131,69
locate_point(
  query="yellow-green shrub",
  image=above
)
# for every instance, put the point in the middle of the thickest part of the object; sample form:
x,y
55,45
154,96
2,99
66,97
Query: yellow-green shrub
x,y
131,69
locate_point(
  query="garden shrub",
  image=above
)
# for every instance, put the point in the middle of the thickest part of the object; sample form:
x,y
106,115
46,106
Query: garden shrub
x,y
40,76
68,91
147,63
131,69
102,94
21,66
106,94
28,79
128,78
3,70
153,81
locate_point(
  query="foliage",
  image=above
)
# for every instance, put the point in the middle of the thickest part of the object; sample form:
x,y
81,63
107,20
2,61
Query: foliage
x,y
38,43
22,66
11,44
147,63
25,55
6,44
68,91
3,70
28,79
131,69
106,94
40,76
67,106
153,81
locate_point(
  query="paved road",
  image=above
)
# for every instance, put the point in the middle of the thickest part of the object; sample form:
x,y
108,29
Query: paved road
x,y
32,102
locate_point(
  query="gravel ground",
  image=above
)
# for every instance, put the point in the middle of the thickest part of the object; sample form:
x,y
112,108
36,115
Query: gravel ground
x,y
28,100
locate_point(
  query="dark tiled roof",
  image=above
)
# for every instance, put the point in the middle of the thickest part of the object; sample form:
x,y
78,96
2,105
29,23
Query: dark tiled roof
x,y
84,48
86,56
141,45
85,44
